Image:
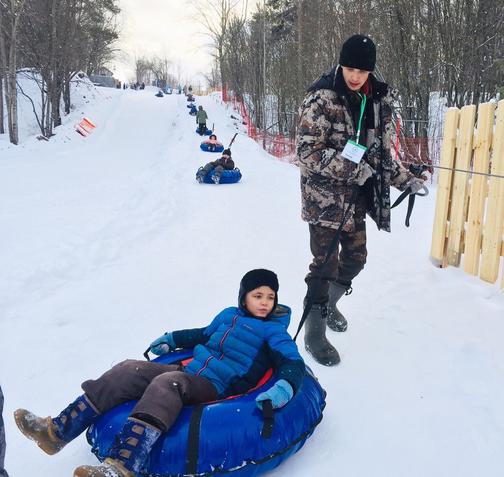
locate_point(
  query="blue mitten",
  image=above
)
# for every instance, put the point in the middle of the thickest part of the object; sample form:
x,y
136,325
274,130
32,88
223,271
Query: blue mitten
x,y
163,344
279,394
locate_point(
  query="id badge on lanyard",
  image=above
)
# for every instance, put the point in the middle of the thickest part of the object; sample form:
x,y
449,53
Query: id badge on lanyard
x,y
354,151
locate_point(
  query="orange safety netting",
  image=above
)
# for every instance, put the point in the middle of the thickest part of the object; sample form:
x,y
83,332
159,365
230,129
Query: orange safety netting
x,y
275,144
405,149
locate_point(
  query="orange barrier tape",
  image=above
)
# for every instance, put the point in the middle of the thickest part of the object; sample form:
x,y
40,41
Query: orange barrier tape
x,y
85,127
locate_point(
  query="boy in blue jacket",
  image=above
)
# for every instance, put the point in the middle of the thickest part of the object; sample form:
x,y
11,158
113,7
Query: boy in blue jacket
x,y
230,356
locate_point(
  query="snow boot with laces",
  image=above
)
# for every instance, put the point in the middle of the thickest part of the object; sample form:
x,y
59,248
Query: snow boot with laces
x,y
51,435
200,175
128,454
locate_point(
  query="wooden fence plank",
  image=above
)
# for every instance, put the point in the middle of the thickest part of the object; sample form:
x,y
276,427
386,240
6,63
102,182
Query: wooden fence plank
x,y
459,187
439,230
478,188
494,220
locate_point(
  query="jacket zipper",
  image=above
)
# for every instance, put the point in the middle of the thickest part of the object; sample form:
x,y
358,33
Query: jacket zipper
x,y
221,345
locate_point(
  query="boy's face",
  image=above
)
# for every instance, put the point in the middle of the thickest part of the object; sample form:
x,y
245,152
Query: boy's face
x,y
260,301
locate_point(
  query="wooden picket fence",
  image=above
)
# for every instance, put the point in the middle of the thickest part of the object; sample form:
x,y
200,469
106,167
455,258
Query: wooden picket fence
x,y
469,217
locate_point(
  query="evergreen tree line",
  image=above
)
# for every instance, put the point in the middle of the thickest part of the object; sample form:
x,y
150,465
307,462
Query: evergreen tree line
x,y
455,47
51,40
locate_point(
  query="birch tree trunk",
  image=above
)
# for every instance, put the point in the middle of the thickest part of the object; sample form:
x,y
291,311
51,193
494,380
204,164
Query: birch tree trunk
x,y
9,20
2,127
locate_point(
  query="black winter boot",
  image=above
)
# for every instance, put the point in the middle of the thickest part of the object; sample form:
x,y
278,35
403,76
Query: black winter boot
x,y
316,342
335,319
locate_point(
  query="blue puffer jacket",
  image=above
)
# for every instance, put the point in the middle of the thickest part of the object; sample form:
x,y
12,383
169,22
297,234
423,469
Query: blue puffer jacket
x,y
236,349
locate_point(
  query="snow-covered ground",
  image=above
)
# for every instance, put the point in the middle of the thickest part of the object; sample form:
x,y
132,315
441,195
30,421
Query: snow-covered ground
x,y
108,241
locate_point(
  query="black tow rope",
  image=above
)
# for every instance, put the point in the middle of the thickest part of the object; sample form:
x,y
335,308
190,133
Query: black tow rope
x,y
417,170
312,290
411,201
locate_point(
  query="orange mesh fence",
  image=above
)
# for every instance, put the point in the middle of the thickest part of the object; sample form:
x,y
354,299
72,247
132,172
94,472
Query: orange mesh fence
x,y
408,150
276,144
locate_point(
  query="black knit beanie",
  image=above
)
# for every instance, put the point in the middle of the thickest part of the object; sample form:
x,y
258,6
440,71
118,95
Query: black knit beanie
x,y
359,52
227,152
255,279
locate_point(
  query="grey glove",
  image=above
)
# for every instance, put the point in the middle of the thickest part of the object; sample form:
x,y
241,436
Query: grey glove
x,y
415,184
363,172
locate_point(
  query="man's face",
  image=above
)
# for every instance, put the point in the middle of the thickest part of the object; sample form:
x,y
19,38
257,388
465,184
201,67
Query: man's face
x,y
354,78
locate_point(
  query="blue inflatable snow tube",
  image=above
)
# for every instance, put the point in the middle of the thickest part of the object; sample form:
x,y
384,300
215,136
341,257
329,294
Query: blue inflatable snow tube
x,y
227,177
224,437
205,147
190,106
207,132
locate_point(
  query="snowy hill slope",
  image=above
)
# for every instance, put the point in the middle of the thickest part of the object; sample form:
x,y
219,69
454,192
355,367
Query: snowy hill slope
x,y
108,241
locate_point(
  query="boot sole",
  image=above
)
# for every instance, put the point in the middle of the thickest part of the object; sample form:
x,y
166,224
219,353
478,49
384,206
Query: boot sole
x,y
333,362
20,419
114,469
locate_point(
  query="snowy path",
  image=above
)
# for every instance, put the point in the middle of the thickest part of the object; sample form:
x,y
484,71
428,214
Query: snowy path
x,y
106,242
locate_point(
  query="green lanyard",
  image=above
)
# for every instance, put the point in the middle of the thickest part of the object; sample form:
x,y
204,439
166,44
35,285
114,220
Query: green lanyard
x,y
362,108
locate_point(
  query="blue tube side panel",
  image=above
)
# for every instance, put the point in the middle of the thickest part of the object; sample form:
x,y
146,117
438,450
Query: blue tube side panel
x,y
204,147
227,177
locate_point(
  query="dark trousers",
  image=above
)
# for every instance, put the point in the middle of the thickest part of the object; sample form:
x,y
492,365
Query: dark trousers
x,y
202,128
3,472
216,170
161,390
346,261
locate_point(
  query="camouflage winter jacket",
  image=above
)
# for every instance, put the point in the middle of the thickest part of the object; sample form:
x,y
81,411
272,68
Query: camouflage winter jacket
x,y
226,163
327,179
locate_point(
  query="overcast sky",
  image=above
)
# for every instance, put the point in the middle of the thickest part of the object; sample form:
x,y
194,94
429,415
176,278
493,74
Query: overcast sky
x,y
163,28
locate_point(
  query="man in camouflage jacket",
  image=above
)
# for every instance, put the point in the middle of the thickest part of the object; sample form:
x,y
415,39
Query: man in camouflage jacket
x,y
3,472
335,189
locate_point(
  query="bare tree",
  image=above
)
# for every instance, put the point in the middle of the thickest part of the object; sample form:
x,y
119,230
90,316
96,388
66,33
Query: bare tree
x,y
160,68
422,47
10,14
56,39
214,16
143,67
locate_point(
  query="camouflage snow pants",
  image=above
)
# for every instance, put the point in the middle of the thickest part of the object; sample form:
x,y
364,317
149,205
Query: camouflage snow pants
x,y
346,261
162,390
3,472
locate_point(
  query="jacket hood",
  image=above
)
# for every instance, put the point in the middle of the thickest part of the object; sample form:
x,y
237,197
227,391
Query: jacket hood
x,y
333,79
281,314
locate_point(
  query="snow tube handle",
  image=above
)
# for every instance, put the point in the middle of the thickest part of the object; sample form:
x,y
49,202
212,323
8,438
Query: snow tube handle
x,y
146,353
269,419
